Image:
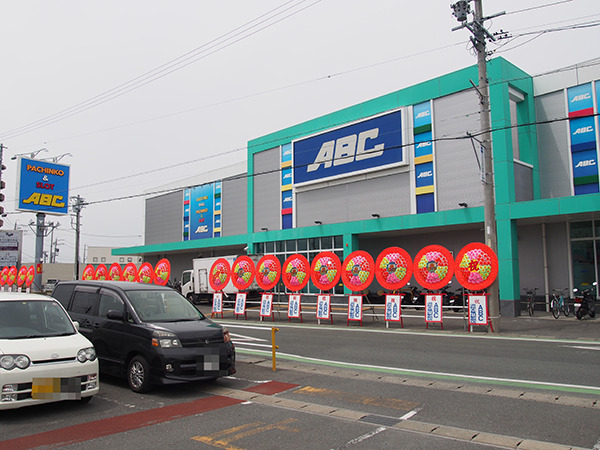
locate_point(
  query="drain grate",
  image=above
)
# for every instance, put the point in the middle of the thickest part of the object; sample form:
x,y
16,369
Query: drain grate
x,y
380,420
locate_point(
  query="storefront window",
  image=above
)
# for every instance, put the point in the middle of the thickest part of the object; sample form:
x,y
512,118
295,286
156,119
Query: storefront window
x,y
581,229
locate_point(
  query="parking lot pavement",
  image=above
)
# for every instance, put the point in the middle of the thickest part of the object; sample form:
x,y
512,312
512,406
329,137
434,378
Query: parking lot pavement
x,y
541,325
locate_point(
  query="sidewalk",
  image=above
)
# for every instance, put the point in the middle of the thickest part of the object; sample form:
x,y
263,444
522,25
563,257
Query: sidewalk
x,y
541,325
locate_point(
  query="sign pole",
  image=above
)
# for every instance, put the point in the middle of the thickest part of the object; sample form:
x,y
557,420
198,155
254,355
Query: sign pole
x,y
39,249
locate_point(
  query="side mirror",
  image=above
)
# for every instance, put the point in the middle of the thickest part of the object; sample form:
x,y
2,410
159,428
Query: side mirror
x,y
113,314
76,325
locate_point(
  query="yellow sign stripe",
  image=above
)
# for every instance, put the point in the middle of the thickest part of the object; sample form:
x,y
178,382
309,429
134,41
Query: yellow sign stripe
x,y
424,190
423,159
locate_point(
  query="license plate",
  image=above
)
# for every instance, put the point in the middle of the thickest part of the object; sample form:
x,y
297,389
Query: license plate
x,y
56,388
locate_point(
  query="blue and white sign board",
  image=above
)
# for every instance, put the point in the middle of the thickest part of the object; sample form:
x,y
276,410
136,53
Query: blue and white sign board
x,y
355,307
393,311
217,306
43,187
294,306
433,308
240,303
201,211
323,307
367,145
266,305
478,310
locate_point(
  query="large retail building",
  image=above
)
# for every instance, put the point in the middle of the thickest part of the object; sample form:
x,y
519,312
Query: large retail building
x,y
404,169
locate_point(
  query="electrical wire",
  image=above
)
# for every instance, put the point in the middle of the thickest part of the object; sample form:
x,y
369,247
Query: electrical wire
x,y
185,60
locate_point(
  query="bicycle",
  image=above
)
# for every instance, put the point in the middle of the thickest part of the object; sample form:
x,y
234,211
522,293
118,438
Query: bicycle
x,y
559,304
530,300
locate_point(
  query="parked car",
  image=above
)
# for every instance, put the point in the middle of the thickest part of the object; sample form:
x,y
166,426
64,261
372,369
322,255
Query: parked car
x,y
146,333
49,287
43,358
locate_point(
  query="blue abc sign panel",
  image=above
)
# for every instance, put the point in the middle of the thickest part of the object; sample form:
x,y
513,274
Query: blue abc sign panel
x,y
365,145
43,187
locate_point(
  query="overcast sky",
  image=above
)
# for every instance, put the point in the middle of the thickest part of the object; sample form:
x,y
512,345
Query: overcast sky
x,y
132,87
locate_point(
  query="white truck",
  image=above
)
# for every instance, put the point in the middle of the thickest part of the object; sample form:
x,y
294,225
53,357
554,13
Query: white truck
x,y
196,287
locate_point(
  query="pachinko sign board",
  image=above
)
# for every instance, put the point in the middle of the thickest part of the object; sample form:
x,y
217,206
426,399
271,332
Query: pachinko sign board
x,y
393,308
478,309
324,307
240,304
355,308
101,272
217,304
266,305
43,186
294,307
129,273
114,272
433,308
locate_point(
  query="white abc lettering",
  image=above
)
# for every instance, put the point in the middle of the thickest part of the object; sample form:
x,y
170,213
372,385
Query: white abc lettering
x,y
587,163
427,174
287,152
581,97
361,153
202,229
287,199
346,149
287,175
423,114
424,144
324,157
583,130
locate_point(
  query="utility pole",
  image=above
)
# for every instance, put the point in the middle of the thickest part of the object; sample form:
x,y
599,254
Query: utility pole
x,y
78,204
480,34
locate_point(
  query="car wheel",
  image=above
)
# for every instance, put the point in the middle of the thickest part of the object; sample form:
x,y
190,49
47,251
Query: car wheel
x,y
138,374
85,399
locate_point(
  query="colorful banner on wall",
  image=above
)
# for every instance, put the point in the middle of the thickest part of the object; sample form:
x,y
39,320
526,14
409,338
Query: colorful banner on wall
x,y
202,206
582,130
423,158
287,181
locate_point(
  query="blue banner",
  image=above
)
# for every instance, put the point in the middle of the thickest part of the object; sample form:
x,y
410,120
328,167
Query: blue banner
x,y
43,187
201,211
368,144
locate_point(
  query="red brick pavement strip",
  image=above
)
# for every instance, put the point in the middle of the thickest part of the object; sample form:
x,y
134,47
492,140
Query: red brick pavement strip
x,y
271,388
99,428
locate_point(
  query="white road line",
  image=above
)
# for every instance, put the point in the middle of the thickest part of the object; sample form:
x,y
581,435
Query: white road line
x,y
364,437
410,414
582,347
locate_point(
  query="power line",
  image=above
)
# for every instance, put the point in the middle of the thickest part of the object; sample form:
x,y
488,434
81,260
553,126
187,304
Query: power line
x,y
214,46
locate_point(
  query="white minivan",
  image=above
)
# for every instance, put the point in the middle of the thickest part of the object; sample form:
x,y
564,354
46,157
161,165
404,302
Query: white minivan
x,y
43,357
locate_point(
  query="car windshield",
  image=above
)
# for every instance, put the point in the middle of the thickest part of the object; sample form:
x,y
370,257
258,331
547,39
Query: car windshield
x,y
162,306
33,318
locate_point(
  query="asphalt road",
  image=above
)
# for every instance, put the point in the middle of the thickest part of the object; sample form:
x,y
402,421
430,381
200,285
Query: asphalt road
x,y
346,387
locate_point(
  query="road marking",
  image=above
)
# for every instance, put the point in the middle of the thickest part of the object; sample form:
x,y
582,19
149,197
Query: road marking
x,y
410,414
582,347
393,403
223,438
364,437
439,375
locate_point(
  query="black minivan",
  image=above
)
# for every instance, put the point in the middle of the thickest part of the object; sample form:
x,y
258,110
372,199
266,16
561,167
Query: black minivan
x,y
147,333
